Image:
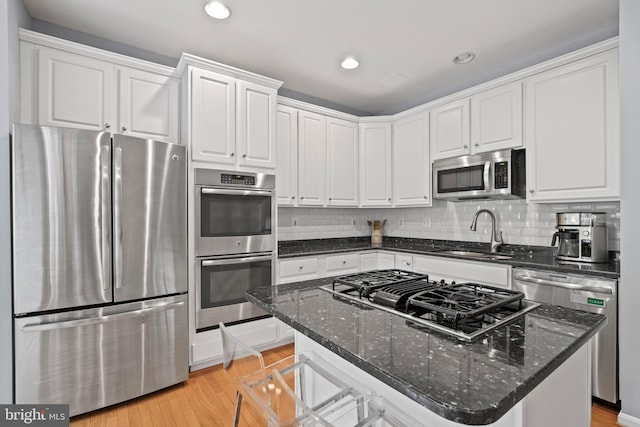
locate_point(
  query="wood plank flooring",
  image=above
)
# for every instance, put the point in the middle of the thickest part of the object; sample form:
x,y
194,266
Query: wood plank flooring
x,y
207,398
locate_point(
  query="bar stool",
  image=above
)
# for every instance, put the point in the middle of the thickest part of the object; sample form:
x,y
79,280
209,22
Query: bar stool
x,y
298,390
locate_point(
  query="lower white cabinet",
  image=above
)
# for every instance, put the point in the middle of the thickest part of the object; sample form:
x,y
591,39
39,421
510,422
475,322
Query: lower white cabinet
x,y
298,269
342,264
377,260
439,268
263,334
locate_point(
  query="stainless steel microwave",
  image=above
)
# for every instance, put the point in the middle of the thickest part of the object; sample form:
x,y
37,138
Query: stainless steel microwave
x,y
492,175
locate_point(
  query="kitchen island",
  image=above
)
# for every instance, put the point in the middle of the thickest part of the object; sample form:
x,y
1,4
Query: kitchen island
x,y
516,373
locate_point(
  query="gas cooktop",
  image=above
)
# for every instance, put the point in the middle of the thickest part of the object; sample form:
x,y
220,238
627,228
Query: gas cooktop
x,y
463,310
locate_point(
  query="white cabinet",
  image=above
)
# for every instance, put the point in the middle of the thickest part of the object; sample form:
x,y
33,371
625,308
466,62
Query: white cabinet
x,y
213,126
375,164
287,152
233,122
256,119
404,262
342,162
73,90
297,269
148,105
572,140
488,121
450,129
377,260
496,119
461,271
411,161
93,90
312,143
342,264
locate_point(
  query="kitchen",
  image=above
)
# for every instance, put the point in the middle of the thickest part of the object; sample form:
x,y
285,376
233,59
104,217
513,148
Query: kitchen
x,y
304,223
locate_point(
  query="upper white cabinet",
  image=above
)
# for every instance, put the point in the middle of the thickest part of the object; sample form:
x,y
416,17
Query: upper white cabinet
x,y
256,132
71,85
287,152
411,162
148,105
342,162
487,121
496,119
230,118
573,146
450,130
375,164
312,143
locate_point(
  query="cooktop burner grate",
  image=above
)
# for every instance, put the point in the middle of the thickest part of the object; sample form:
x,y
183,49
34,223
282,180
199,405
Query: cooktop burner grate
x,y
462,300
397,294
367,282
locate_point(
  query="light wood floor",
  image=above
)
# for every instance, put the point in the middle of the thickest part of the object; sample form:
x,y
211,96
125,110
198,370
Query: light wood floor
x,y
207,398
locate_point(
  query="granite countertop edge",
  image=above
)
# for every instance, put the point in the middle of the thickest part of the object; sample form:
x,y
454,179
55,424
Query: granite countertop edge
x,y
522,256
450,412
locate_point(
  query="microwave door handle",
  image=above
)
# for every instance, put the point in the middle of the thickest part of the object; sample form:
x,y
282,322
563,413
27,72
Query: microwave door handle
x,y
487,169
237,192
243,260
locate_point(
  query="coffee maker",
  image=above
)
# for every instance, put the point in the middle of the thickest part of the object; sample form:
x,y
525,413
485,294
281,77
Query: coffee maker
x,y
581,236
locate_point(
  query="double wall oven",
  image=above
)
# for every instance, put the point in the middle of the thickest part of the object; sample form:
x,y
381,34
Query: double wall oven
x,y
234,243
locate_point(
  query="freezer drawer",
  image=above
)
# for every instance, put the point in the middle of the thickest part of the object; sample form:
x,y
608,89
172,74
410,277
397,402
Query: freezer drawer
x,y
94,358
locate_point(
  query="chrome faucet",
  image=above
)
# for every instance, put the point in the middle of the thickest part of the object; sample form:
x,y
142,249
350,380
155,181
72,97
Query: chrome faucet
x,y
495,243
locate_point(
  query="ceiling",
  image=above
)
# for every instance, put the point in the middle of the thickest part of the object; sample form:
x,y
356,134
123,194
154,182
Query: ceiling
x,y
405,47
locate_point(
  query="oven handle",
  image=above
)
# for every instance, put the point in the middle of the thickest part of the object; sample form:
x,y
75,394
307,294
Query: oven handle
x,y
235,192
242,260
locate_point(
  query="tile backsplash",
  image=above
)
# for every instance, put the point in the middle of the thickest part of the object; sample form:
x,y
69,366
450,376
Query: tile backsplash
x,y
521,223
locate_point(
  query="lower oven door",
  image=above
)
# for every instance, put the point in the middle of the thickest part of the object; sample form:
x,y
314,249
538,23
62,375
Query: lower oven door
x,y
222,283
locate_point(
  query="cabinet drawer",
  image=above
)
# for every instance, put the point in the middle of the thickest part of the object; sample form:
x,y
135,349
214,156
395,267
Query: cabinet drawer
x,y
339,264
298,269
459,270
404,262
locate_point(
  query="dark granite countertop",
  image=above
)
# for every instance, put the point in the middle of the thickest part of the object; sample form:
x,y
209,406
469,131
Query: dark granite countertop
x,y
473,383
521,256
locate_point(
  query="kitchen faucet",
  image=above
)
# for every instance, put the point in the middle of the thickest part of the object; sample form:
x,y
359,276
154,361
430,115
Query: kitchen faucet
x,y
495,243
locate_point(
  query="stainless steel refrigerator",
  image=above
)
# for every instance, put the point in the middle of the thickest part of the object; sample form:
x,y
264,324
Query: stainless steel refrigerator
x,y
99,266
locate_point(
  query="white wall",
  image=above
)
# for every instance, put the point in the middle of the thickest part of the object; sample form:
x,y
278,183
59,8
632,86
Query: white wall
x,y
521,223
12,15
629,291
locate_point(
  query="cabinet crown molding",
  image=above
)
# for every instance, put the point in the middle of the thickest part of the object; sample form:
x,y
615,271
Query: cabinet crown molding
x,y
93,52
188,59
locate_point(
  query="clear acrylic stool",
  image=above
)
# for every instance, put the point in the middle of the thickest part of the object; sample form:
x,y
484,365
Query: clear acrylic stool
x,y
298,390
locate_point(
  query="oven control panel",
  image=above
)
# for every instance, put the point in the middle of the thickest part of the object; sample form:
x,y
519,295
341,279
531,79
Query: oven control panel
x,y
237,179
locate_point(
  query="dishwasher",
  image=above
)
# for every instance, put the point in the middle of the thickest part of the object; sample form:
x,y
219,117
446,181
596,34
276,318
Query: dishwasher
x,y
586,293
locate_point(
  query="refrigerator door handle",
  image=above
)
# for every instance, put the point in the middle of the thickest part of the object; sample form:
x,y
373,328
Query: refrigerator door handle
x,y
39,327
105,203
117,216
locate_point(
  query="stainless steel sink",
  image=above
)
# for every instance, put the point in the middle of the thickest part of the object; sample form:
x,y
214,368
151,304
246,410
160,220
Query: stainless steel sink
x,y
472,254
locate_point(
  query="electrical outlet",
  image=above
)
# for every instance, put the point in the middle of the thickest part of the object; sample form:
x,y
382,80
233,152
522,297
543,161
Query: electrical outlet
x,y
294,222
426,222
401,222
353,222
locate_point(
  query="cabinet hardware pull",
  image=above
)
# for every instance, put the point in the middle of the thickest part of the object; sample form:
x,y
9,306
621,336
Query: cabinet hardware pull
x,y
244,156
107,125
531,191
476,145
124,129
466,146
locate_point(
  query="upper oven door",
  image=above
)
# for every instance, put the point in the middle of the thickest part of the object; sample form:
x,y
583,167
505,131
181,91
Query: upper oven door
x,y
233,221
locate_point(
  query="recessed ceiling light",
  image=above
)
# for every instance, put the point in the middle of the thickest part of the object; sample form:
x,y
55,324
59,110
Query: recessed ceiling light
x,y
350,63
217,10
464,57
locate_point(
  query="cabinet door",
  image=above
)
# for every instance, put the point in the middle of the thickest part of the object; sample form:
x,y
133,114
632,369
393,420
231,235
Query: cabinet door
x,y
375,164
213,132
287,148
342,163
411,164
450,130
256,125
496,119
573,146
74,91
148,105
312,141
